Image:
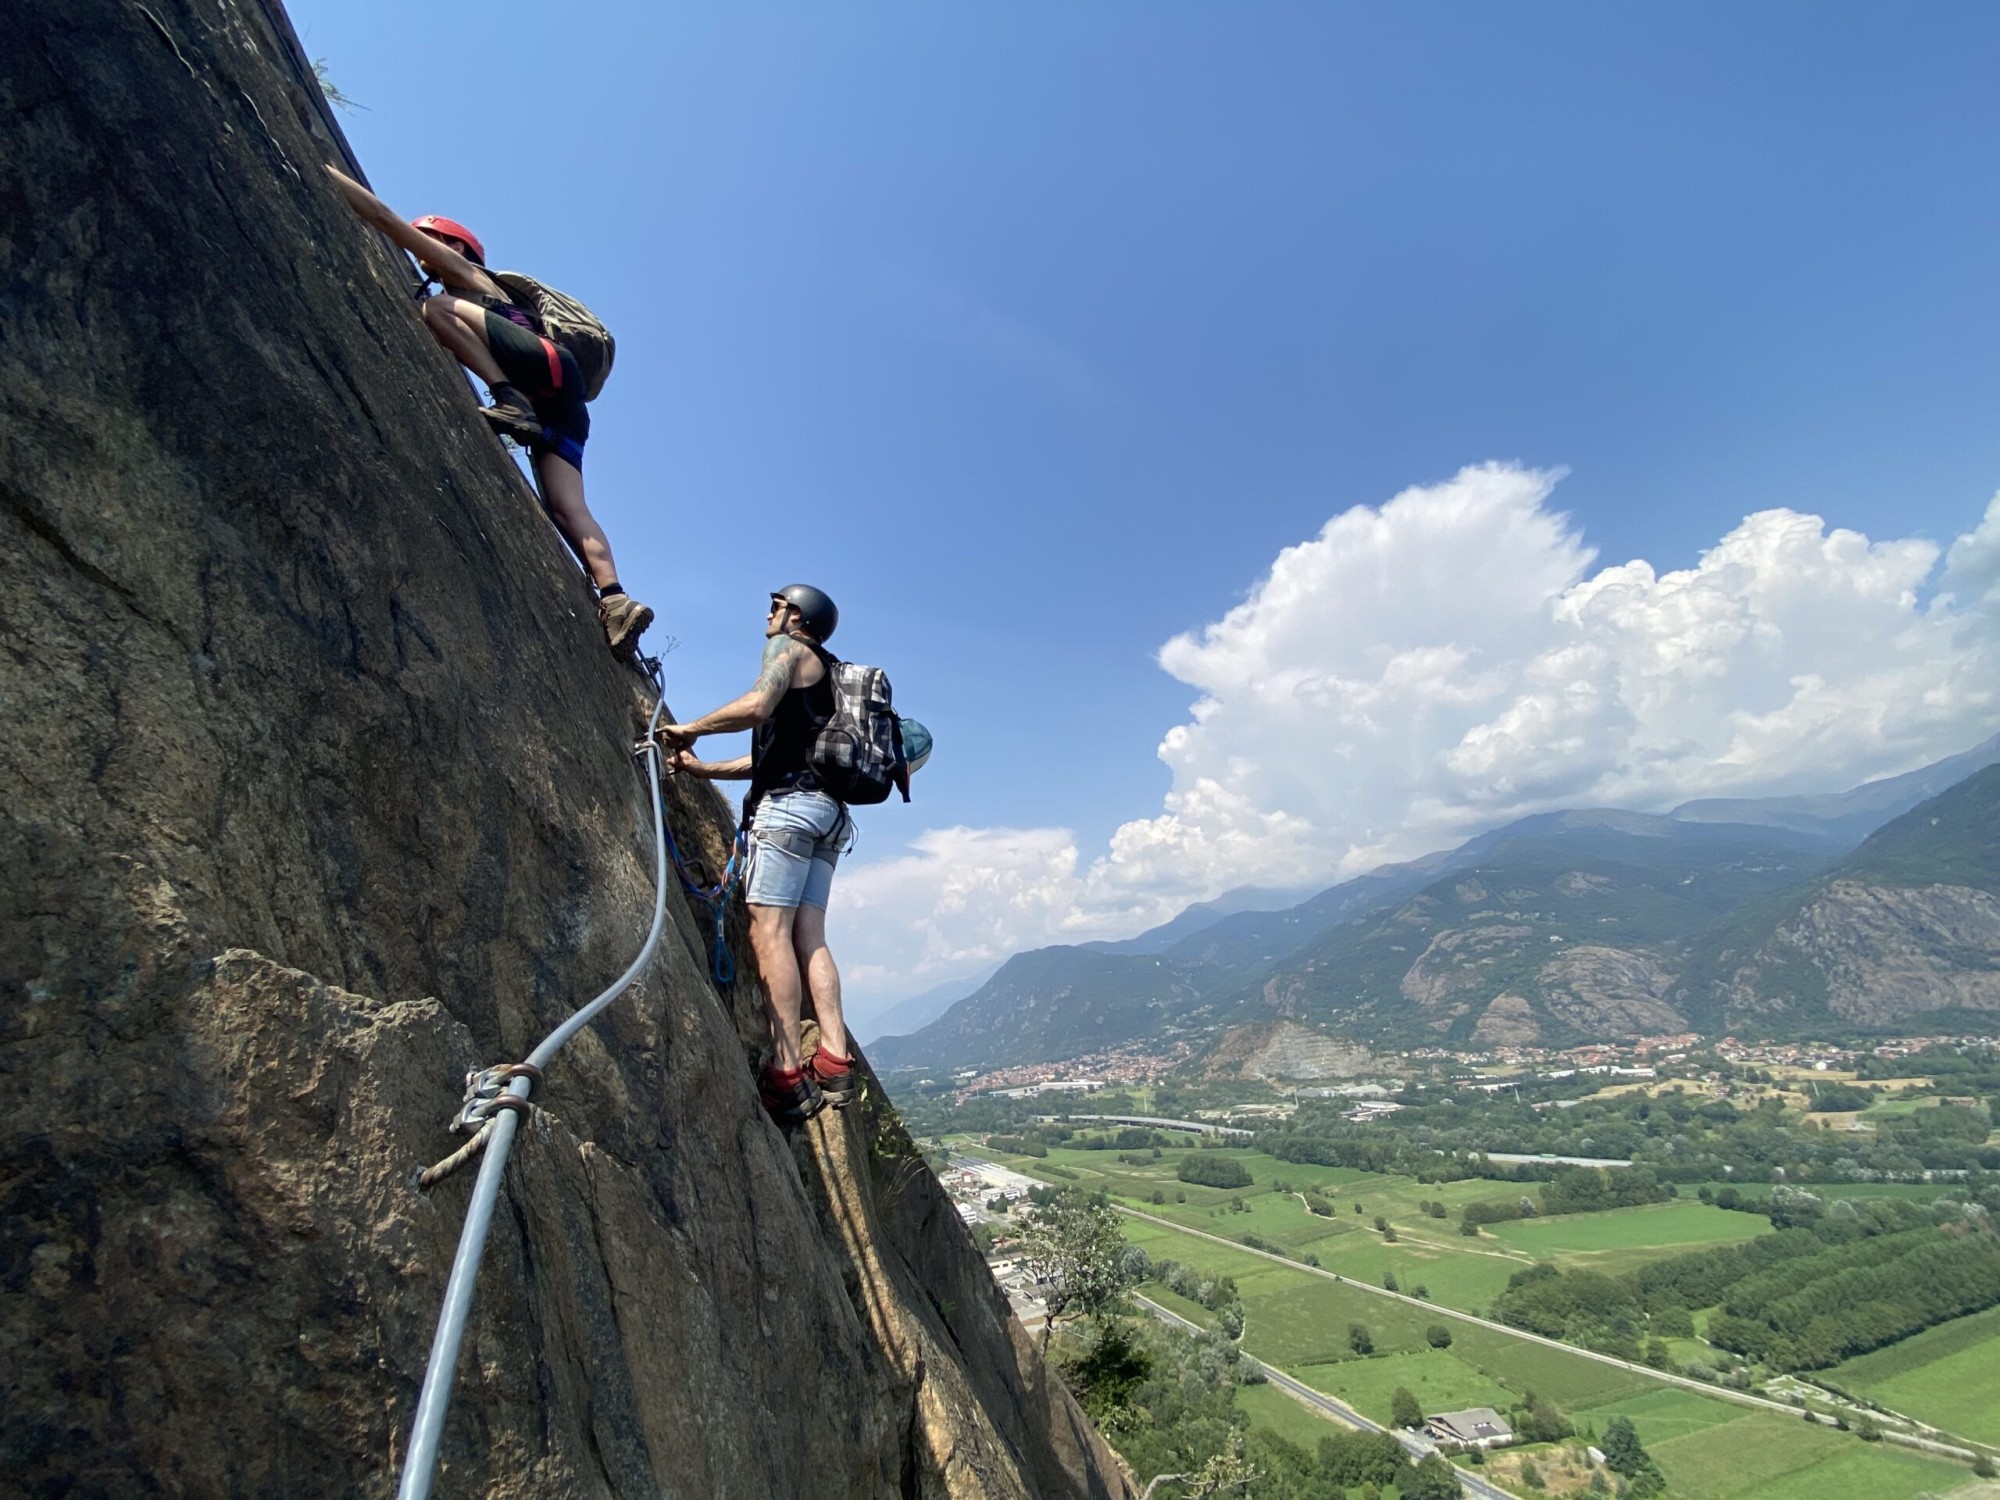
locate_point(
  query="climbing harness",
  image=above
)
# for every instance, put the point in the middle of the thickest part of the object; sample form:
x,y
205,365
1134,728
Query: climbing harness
x,y
495,1100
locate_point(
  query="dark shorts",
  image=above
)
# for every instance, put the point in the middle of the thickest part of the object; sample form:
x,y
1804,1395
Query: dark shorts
x,y
547,374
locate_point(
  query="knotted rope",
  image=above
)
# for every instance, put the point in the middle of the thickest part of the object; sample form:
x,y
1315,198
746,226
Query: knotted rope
x,y
485,1097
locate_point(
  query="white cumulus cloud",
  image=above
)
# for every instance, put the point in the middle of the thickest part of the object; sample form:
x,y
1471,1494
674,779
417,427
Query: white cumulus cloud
x,y
1450,661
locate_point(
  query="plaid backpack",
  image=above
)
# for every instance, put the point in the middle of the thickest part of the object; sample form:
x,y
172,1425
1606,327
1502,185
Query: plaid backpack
x,y
858,753
570,324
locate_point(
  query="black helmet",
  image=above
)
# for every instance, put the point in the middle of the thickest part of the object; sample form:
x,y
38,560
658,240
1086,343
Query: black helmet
x,y
816,612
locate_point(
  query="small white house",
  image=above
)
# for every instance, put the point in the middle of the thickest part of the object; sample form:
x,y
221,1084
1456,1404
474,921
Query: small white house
x,y
1475,1427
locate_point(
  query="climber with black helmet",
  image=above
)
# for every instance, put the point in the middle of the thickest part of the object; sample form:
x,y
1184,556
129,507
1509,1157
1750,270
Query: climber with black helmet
x,y
797,835
537,388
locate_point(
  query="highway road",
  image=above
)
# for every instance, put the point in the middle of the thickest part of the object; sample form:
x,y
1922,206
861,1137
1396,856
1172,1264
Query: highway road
x,y
1326,1406
1719,1393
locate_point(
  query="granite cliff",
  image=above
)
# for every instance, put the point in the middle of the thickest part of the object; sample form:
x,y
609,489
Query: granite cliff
x,y
317,791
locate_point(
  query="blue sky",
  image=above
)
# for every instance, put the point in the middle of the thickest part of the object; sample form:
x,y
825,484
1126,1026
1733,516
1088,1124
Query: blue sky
x,y
1036,334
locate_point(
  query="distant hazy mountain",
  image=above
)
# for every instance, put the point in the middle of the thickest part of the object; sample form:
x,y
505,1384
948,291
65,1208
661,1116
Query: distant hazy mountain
x,y
1202,915
1596,918
1045,1005
1850,815
916,1012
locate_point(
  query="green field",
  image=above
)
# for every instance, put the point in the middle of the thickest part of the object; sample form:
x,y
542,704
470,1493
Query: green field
x,y
1437,1379
1664,1412
1454,1270
1708,1449
1718,1452
1605,1241
1274,1411
1948,1376
1763,1456
1299,1322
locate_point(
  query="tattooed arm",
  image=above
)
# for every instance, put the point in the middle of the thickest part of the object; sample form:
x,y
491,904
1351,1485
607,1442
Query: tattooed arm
x,y
684,763
782,659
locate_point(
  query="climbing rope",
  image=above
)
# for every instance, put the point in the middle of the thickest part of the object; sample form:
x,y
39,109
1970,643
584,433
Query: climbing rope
x,y
721,963
495,1100
485,1098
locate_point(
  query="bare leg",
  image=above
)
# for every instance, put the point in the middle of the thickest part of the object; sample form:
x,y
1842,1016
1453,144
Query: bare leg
x,y
771,941
815,961
461,327
562,488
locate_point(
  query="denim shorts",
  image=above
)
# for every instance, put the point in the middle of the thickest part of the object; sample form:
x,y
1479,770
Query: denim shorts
x,y
796,838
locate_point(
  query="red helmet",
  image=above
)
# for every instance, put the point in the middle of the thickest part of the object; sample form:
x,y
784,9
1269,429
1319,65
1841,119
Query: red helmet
x,y
437,226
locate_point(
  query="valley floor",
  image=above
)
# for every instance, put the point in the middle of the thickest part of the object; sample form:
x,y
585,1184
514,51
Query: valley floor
x,y
1298,1321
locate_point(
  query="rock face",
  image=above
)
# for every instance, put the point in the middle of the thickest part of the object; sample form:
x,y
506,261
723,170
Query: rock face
x,y
1905,931
1875,954
316,792
1611,990
1508,1022
1455,961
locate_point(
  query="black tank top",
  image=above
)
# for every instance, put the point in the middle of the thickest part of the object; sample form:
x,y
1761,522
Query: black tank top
x,y
781,751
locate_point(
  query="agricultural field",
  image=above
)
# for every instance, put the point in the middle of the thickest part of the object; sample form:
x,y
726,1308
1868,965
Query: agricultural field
x,y
1763,1456
1606,1241
1437,1378
1948,1376
1454,1270
1299,1322
1708,1449
1884,1107
1271,1409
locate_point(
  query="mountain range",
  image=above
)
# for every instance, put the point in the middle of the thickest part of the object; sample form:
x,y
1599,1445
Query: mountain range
x,y
1855,910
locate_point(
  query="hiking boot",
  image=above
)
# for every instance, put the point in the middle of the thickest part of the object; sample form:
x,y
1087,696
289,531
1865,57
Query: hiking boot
x,y
624,620
836,1077
789,1098
513,415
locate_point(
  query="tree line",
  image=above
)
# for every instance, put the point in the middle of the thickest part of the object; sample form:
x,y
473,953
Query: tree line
x,y
1803,1297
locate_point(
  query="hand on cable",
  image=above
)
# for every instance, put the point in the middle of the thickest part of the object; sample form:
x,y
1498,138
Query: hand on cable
x,y
675,736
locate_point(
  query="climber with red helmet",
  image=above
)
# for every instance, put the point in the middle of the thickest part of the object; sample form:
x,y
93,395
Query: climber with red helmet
x,y
537,388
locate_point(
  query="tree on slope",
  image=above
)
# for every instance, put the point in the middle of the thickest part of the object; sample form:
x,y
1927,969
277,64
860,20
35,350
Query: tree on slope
x,y
1076,1242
